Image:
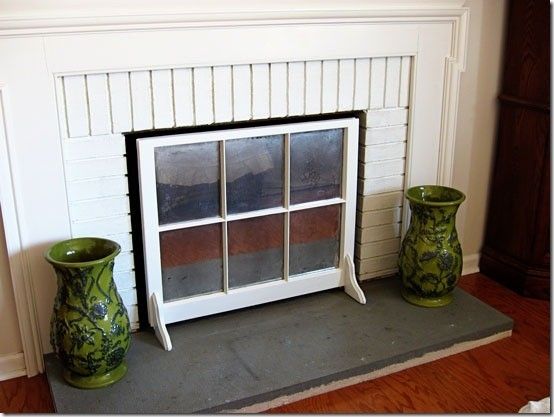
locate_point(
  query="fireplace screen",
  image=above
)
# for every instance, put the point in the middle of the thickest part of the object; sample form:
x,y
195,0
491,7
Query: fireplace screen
x,y
240,217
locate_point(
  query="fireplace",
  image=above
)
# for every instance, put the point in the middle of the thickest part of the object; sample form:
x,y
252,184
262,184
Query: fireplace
x,y
65,172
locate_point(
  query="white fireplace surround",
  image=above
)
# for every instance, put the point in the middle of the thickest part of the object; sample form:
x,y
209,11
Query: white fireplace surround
x,y
61,116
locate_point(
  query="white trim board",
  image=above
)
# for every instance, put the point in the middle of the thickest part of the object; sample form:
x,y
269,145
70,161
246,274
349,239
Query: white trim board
x,y
426,358
12,365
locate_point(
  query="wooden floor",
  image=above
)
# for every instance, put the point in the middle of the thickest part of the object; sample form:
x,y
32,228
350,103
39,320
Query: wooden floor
x,y
500,377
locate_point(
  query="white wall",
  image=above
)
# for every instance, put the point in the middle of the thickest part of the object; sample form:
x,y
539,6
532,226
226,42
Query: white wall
x,y
477,117
10,339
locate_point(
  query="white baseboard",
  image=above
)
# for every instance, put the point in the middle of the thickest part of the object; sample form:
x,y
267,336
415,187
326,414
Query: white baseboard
x,y
12,365
471,264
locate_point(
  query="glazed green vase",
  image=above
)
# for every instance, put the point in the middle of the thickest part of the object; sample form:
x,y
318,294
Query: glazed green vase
x,y
430,260
90,329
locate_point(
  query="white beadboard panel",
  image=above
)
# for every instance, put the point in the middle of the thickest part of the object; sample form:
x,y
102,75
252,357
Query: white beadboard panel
x,y
378,263
260,91
361,91
129,296
378,217
162,99
223,94
380,201
378,135
102,207
376,233
76,105
203,95
377,87
346,84
141,99
107,225
99,104
95,168
383,247
97,188
278,89
242,94
381,185
384,117
94,147
120,99
392,83
124,280
183,96
383,152
296,87
405,75
313,87
329,86
374,275
382,168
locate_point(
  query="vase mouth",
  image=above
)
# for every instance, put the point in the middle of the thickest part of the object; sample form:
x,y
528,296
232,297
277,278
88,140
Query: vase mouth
x,y
82,252
435,195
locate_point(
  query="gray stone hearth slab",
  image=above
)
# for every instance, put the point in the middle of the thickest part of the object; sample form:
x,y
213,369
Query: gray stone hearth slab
x,y
258,357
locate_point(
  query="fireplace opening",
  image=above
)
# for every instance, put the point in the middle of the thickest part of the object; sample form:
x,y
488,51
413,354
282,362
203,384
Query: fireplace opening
x,y
226,224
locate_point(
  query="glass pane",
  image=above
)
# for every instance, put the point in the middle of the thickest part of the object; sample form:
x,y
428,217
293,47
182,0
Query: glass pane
x,y
255,250
314,239
315,165
187,181
254,173
191,261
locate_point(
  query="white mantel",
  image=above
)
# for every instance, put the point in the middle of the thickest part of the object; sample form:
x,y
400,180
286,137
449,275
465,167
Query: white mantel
x,y
43,41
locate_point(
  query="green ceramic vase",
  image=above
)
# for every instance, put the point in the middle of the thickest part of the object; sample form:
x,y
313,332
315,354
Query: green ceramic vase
x,y
90,329
430,260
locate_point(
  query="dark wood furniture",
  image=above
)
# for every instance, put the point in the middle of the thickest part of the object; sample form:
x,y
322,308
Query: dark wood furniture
x,y
516,250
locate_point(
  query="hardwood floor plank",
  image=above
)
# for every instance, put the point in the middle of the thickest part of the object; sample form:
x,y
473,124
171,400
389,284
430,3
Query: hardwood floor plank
x,y
499,377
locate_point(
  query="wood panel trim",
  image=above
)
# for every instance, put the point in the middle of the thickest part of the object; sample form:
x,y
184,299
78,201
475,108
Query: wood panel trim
x,y
512,100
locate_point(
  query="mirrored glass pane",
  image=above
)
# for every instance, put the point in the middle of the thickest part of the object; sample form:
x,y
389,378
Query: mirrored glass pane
x,y
314,239
254,173
315,165
187,181
255,250
191,261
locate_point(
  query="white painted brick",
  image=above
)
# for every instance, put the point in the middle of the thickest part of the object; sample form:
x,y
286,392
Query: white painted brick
x,y
375,136
378,217
383,247
94,147
125,280
76,105
376,233
377,87
162,97
361,92
260,93
99,104
392,84
296,88
141,98
405,75
203,96
107,225
381,185
242,94
120,98
223,94
183,96
384,117
382,168
346,84
97,188
313,87
378,263
380,201
103,207
94,168
279,88
383,152
329,99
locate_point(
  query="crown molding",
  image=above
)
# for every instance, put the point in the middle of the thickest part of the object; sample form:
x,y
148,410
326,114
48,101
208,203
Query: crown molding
x,y
169,15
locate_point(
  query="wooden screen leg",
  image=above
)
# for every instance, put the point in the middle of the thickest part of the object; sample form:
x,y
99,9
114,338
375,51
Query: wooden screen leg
x,y
159,323
351,286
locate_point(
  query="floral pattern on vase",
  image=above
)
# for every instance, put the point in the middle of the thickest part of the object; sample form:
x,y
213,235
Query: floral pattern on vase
x,y
90,328
430,259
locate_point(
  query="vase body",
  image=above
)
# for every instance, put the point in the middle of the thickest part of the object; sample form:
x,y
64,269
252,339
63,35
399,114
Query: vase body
x,y
90,328
430,259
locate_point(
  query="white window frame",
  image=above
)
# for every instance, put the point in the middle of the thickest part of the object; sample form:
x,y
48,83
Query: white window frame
x,y
161,312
